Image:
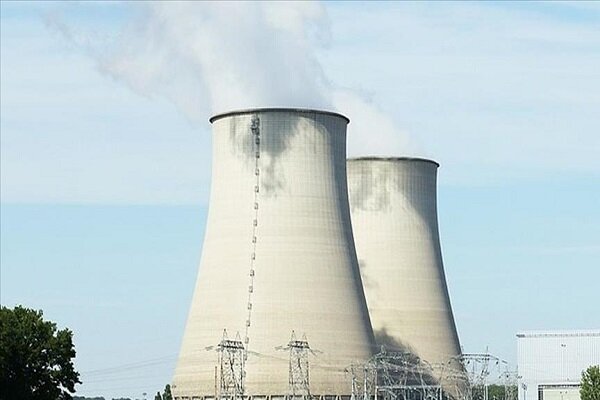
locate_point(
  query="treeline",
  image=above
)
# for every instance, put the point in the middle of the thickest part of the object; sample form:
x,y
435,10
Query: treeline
x,y
98,398
87,398
497,392
165,395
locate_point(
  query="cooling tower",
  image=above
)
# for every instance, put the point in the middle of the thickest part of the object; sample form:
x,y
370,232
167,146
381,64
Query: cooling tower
x,y
278,257
394,216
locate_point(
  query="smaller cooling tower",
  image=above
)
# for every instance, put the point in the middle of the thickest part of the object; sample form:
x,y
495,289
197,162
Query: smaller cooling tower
x,y
394,219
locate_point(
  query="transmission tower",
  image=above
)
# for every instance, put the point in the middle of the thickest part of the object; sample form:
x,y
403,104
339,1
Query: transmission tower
x,y
404,376
299,367
395,376
478,367
509,379
456,385
363,378
231,367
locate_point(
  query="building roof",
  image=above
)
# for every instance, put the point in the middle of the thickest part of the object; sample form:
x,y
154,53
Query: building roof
x,y
559,333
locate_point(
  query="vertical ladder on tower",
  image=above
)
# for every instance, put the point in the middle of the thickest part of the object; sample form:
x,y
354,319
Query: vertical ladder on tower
x,y
255,132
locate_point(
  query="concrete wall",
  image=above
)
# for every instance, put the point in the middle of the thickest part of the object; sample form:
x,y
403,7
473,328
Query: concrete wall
x,y
306,275
394,216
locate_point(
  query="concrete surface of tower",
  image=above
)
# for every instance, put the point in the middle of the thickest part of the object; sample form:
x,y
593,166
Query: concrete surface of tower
x,y
394,217
278,256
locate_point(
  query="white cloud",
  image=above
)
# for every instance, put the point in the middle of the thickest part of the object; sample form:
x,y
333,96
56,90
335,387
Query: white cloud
x,y
495,92
371,131
213,57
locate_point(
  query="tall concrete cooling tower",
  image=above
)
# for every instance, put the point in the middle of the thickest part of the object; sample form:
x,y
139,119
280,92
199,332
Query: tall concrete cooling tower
x,y
394,216
278,257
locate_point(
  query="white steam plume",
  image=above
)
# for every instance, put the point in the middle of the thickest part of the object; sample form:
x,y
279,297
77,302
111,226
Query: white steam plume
x,y
210,57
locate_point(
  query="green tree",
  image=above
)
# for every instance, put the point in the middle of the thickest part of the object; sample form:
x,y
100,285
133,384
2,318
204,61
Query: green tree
x,y
167,393
158,396
496,392
590,383
35,358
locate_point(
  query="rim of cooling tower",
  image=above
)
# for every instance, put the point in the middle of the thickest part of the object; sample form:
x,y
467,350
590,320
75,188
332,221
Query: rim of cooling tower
x,y
375,158
276,109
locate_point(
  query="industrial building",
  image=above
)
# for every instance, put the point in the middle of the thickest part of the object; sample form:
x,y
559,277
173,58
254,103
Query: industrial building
x,y
279,307
394,216
550,363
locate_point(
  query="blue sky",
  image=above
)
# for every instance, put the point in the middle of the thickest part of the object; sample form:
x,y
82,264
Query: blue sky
x,y
105,177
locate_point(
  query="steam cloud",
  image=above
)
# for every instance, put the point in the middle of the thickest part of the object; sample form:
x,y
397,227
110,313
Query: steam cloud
x,y
209,57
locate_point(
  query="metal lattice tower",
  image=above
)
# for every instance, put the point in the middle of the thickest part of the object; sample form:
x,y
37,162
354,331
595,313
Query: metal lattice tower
x,y
509,379
404,376
299,367
231,367
455,378
478,367
395,376
363,379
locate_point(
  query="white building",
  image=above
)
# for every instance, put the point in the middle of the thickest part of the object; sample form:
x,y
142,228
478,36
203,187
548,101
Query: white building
x,y
550,363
